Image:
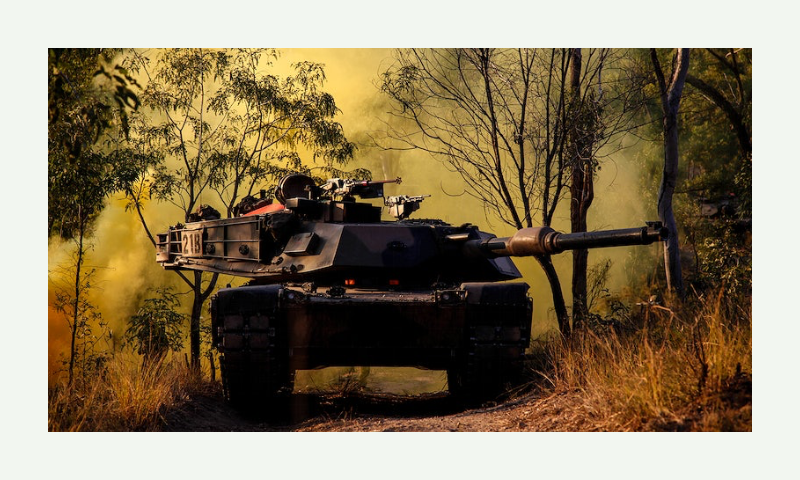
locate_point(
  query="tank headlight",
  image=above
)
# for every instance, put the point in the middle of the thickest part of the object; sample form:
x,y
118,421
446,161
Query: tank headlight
x,y
449,297
293,296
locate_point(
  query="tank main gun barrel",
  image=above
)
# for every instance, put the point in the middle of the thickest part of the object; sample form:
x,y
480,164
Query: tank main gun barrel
x,y
546,241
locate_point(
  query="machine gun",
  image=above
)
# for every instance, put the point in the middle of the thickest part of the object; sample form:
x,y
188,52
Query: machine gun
x,y
402,206
347,188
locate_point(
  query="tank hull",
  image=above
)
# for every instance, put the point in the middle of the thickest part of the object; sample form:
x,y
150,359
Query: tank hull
x,y
477,332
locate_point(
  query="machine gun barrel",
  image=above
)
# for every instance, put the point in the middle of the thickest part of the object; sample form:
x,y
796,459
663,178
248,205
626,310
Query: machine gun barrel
x,y
366,183
343,187
546,241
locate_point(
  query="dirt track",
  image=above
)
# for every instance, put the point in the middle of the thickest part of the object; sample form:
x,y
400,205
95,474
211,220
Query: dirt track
x,y
366,413
525,411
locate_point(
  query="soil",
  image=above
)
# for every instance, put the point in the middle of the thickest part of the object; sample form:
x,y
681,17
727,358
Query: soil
x,y
361,412
521,411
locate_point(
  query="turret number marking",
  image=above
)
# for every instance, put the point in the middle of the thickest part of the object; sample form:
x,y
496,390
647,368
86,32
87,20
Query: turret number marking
x,y
192,243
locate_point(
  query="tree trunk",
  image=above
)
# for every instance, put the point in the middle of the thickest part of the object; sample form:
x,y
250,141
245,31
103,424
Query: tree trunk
x,y
76,304
670,101
558,296
672,257
194,322
199,296
581,186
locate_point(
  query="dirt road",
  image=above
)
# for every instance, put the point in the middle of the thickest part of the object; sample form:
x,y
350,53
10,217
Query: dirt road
x,y
521,411
371,413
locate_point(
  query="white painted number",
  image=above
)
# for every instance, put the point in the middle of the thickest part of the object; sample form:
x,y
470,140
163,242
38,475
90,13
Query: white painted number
x,y
192,243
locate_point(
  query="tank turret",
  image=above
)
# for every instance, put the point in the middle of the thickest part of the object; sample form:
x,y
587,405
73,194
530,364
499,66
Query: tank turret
x,y
334,285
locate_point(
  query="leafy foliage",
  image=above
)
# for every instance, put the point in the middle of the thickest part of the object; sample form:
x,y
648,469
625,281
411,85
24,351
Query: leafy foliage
x,y
87,97
157,326
90,333
220,123
83,90
715,167
725,259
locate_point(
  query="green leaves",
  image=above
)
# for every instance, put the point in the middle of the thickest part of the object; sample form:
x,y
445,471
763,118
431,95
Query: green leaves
x,y
156,327
83,89
88,98
223,123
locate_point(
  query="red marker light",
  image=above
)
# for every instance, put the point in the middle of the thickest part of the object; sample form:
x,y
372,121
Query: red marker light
x,y
394,282
350,282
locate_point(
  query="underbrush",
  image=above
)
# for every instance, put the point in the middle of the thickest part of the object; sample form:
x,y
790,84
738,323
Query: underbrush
x,y
657,369
125,394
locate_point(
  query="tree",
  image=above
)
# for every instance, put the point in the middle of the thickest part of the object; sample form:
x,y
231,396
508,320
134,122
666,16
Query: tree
x,y
521,127
80,191
266,120
497,118
85,101
719,105
581,182
605,98
670,102
216,125
725,82
87,96
717,143
585,132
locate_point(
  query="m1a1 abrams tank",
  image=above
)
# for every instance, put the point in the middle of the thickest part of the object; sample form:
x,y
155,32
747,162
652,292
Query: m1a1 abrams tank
x,y
333,285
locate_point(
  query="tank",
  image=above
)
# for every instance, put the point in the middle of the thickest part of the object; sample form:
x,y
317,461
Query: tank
x,y
331,284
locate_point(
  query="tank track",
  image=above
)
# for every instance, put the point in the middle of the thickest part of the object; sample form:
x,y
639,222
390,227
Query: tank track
x,y
251,341
484,373
498,331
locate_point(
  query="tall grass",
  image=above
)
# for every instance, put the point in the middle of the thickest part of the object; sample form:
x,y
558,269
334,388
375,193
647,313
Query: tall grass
x,y
657,369
126,394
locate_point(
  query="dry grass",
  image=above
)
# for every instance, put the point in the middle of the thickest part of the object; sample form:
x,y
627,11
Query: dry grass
x,y
660,369
125,395
688,369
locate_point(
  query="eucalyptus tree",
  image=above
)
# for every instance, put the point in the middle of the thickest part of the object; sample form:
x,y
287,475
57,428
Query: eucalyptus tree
x,y
216,125
521,126
671,90
605,100
497,118
724,76
716,142
719,107
88,96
